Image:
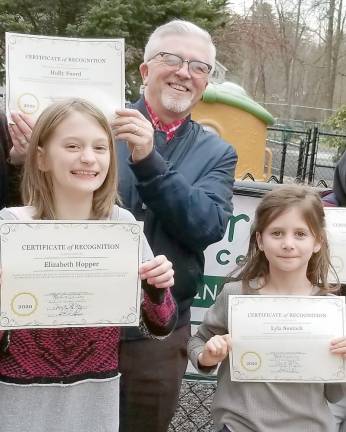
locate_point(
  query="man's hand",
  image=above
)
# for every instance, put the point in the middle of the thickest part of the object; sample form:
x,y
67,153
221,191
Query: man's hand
x,y
132,126
20,133
215,350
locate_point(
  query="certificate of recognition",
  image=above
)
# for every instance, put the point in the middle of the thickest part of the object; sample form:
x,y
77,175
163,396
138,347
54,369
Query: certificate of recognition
x,y
45,69
286,338
336,231
70,273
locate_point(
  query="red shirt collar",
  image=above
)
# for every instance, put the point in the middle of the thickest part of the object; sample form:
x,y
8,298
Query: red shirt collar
x,y
169,128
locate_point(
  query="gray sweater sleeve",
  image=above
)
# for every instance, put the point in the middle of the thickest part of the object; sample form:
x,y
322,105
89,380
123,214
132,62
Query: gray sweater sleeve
x,y
214,323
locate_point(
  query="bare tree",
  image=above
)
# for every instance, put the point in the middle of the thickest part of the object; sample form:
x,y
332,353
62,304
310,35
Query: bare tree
x,y
292,30
335,33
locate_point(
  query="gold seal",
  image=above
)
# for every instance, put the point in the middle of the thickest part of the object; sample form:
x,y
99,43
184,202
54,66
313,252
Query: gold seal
x,y
251,361
24,304
28,103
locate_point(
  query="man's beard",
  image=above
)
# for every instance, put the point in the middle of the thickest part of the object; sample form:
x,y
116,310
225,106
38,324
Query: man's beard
x,y
176,104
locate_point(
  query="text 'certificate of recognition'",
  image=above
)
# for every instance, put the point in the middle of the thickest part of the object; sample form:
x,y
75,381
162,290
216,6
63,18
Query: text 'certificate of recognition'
x,y
336,230
286,338
70,274
45,69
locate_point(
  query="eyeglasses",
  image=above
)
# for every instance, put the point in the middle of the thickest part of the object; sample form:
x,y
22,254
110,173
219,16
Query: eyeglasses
x,y
196,67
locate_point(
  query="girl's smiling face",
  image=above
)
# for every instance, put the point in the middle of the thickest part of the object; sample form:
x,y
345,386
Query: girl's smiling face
x,y
77,155
288,242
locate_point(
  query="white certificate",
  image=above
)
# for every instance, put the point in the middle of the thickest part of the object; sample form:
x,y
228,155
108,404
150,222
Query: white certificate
x,y
336,231
45,69
70,273
286,338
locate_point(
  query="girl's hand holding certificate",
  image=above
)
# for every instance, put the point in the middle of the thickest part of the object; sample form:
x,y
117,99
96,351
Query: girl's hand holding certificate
x,y
338,346
215,350
158,272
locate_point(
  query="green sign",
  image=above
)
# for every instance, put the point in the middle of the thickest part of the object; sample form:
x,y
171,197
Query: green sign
x,y
207,294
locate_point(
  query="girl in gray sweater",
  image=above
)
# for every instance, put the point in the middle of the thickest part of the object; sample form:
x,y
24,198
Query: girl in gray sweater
x,y
288,255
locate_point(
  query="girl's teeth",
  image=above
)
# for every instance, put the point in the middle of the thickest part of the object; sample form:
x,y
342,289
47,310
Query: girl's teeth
x,y
84,173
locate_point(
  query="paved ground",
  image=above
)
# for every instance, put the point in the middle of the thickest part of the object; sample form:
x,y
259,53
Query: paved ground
x,y
193,413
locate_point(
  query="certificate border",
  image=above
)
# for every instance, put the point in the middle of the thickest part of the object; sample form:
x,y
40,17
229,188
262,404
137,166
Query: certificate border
x,y
86,40
136,312
340,299
334,210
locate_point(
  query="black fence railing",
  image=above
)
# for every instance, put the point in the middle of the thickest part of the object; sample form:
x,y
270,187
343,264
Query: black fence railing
x,y
304,156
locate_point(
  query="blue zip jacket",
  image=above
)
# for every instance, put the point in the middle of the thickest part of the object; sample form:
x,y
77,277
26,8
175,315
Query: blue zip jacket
x,y
183,192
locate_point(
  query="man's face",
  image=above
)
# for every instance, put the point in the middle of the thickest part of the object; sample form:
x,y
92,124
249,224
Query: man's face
x,y
173,92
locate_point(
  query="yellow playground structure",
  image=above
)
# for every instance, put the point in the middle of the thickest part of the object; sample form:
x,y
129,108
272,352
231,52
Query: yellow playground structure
x,y
228,111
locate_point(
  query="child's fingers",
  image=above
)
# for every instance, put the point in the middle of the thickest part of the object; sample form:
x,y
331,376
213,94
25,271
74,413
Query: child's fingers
x,y
338,340
150,264
340,352
155,267
338,346
164,280
163,277
211,347
214,351
158,272
217,345
228,340
167,284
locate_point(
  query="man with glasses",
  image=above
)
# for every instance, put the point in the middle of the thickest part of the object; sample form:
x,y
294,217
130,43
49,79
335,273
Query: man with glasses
x,y
178,179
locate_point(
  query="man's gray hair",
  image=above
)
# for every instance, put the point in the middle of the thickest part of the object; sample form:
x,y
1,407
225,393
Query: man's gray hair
x,y
178,27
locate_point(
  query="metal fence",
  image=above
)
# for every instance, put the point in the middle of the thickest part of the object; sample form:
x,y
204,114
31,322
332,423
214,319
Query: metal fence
x,y
304,155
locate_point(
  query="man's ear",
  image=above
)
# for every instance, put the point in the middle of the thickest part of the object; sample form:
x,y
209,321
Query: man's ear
x,y
143,69
41,159
259,241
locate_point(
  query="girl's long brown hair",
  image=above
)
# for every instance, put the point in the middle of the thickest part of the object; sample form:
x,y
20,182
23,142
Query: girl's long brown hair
x,y
37,187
